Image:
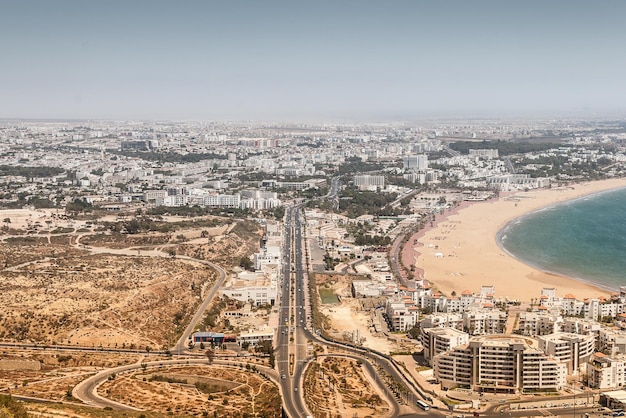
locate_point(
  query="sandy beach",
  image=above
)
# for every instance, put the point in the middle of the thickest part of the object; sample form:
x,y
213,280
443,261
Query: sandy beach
x,y
461,252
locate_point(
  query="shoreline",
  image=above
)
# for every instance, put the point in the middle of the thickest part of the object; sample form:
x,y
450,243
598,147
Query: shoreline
x,y
463,251
501,246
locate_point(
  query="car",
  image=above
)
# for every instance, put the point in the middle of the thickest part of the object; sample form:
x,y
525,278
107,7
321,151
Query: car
x,y
283,377
295,389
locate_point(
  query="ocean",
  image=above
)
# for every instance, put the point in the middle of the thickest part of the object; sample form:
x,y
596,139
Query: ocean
x,y
584,239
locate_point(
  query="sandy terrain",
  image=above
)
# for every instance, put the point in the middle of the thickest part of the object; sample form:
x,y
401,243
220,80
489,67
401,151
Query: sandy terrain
x,y
61,282
349,317
196,390
338,386
100,300
461,251
175,390
57,371
346,317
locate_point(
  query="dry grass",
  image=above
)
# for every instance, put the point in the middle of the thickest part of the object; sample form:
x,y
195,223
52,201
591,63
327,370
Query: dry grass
x,y
337,387
100,300
54,291
194,390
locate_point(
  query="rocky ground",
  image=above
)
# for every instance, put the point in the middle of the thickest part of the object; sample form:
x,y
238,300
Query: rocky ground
x,y
338,387
196,390
64,281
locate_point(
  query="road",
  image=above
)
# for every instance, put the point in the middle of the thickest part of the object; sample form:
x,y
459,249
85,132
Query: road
x,y
291,402
292,357
333,192
181,345
371,370
509,165
292,340
298,327
86,391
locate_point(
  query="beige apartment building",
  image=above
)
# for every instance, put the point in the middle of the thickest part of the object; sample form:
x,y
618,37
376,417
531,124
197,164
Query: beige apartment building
x,y
499,363
605,372
572,349
438,340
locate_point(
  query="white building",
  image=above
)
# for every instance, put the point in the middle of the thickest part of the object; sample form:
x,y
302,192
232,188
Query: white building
x,y
484,153
580,326
367,182
149,195
221,200
402,314
538,323
505,364
511,182
481,321
438,340
415,162
611,341
443,320
604,372
271,254
258,295
255,337
571,349
258,288
172,201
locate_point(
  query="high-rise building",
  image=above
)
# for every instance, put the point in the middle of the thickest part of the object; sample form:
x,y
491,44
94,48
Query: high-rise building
x,y
367,182
505,364
415,162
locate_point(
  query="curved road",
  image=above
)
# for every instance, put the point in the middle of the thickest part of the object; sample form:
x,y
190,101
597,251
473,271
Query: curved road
x,y
181,344
294,404
86,391
393,403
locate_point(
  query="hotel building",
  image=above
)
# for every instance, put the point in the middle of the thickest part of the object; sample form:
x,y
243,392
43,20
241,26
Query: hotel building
x,y
439,340
571,349
504,363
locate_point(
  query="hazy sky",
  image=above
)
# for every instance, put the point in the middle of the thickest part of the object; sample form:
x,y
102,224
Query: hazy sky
x,y
266,59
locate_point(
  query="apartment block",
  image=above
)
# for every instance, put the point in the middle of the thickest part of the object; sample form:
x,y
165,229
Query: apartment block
x,y
571,349
438,340
504,364
606,372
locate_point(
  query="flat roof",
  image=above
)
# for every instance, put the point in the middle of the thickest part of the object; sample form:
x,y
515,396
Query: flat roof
x,y
618,395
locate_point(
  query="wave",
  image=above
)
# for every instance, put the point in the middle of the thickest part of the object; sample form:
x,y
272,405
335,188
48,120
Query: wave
x,y
580,239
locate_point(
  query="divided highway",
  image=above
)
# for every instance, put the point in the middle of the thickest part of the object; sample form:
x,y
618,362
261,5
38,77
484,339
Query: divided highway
x,y
294,336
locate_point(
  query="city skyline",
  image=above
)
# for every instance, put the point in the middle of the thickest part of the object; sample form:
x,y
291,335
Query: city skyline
x,y
313,61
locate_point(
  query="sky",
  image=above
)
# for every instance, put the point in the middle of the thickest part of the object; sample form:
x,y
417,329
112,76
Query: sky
x,y
291,60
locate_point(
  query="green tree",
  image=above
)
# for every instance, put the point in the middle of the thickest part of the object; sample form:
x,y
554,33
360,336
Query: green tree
x,y
246,264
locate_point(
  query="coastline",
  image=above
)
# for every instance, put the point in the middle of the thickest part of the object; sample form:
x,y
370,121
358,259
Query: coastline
x,y
462,251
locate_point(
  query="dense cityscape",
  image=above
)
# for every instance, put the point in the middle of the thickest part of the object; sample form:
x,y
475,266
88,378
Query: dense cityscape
x,y
137,254
328,209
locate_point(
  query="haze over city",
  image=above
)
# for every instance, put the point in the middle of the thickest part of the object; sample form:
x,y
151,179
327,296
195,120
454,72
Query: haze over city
x,y
311,60
312,209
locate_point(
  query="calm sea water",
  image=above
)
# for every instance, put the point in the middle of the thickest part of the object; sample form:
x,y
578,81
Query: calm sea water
x,y
583,239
